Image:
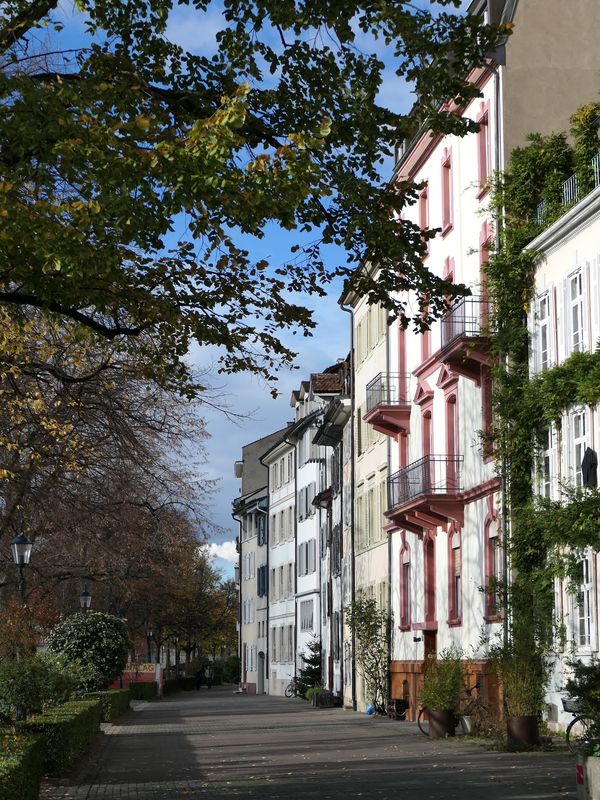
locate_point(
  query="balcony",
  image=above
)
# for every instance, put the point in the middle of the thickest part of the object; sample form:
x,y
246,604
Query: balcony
x,y
388,403
426,494
465,346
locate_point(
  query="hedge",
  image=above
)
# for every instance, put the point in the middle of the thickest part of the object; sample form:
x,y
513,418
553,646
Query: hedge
x,y
21,766
67,730
143,690
171,686
115,702
188,683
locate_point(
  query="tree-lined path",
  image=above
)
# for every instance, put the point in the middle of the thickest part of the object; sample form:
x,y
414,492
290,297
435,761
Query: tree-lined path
x,y
218,744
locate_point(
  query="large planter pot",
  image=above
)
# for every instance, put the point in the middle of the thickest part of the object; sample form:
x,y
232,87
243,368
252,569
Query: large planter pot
x,y
522,731
588,777
441,723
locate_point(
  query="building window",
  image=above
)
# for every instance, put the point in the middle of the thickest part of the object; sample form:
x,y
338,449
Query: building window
x,y
307,557
484,154
429,559
543,333
306,615
575,291
454,577
424,213
578,426
447,209
494,568
547,463
405,589
583,604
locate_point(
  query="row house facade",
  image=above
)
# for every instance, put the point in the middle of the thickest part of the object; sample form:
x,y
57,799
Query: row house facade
x,y
565,319
394,494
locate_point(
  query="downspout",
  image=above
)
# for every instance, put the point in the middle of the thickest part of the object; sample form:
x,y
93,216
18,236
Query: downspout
x,y
287,441
239,522
268,544
389,536
350,310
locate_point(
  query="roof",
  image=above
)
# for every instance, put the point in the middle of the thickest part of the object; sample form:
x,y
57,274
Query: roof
x,y
326,382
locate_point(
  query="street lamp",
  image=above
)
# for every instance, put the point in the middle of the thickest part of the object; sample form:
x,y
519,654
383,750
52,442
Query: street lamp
x,y
21,550
85,599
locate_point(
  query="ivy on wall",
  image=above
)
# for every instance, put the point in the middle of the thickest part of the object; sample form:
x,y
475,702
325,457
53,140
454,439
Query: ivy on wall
x,y
545,537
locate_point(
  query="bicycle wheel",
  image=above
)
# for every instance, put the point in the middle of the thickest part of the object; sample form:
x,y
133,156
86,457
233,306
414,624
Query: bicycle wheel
x,y
290,690
422,722
578,733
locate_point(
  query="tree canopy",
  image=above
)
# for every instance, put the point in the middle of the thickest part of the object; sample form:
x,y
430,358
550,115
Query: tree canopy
x,y
103,146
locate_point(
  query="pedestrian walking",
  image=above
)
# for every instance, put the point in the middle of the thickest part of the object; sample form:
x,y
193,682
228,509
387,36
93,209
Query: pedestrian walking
x,y
208,675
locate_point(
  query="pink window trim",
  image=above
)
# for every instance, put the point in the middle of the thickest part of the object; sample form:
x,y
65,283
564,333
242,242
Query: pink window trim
x,y
491,613
454,618
447,205
487,413
451,407
405,590
429,587
484,155
424,213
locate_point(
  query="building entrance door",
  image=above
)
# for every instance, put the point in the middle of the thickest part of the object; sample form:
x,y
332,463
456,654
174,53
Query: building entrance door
x,y
260,683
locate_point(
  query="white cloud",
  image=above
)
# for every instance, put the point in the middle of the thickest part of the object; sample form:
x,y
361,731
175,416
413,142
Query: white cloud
x,y
194,30
225,550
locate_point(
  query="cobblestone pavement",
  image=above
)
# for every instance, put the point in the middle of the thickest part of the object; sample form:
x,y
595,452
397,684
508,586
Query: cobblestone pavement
x,y
216,744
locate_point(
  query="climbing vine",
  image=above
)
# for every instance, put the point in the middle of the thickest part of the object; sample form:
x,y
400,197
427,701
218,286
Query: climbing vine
x,y
523,405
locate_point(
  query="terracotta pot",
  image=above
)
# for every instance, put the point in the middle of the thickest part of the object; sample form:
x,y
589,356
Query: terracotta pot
x,y
522,731
441,723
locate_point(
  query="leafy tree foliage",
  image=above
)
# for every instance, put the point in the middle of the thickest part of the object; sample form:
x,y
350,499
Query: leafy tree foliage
x,y
311,670
369,625
102,147
97,640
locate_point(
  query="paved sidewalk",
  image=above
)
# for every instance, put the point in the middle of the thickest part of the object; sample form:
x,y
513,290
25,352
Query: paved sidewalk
x,y
216,744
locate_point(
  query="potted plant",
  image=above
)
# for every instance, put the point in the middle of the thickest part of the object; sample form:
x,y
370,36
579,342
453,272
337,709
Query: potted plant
x,y
523,675
443,681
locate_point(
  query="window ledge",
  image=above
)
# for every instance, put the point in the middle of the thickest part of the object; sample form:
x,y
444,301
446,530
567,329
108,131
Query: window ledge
x,y
455,623
447,228
483,190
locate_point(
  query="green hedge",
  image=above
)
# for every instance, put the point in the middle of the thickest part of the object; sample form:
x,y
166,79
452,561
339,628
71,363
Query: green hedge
x,y
143,690
21,767
115,702
188,683
67,730
171,686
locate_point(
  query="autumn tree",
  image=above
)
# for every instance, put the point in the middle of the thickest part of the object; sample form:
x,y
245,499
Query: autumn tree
x,y
103,146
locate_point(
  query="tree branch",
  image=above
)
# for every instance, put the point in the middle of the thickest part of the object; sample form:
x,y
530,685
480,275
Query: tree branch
x,y
19,26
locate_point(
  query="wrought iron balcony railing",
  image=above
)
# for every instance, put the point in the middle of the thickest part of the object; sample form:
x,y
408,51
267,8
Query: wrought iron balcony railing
x,y
389,389
463,319
440,475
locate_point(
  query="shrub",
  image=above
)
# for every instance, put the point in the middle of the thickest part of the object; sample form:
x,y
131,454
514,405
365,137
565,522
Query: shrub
x,y
444,680
143,690
231,669
36,684
115,702
67,730
21,767
98,641
188,683
584,687
171,686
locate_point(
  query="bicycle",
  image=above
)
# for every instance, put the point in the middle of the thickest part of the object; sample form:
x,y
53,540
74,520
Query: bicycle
x,y
578,733
468,719
293,688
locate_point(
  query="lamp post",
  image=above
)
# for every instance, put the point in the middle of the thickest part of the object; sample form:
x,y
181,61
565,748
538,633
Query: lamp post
x,y
21,551
85,600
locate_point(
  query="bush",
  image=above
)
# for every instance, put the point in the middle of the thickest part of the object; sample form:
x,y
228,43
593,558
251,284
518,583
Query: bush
x,y
444,680
231,670
584,687
21,767
115,702
143,690
171,686
36,684
98,641
67,731
187,684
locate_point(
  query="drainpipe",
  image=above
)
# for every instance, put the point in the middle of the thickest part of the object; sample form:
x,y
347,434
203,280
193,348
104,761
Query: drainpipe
x,y
389,535
350,310
239,521
292,444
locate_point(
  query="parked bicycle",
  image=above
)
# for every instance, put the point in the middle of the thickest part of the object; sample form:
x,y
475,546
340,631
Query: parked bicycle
x,y
469,717
293,689
578,732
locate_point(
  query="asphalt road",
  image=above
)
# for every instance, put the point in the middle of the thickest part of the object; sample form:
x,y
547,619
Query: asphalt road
x,y
216,744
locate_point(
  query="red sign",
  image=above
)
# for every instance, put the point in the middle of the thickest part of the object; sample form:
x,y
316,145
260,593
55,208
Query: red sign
x,y
580,774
